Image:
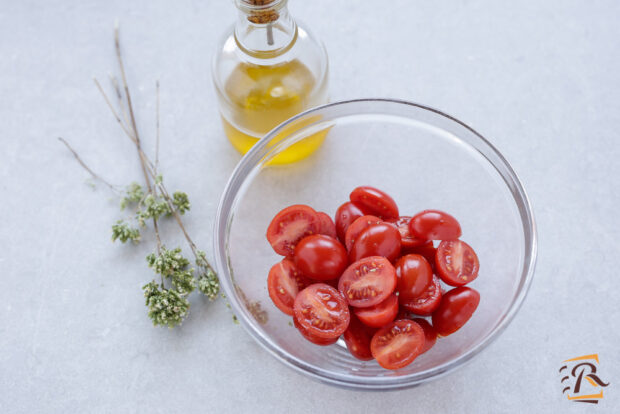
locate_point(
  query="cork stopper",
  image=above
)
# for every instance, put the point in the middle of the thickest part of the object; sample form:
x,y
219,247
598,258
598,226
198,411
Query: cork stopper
x,y
262,13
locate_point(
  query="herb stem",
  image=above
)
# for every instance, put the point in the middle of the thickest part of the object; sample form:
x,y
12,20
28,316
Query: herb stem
x,y
87,168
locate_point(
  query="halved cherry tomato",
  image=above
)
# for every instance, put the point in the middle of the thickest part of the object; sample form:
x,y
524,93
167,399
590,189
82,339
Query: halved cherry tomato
x,y
430,334
368,282
380,314
357,337
407,239
457,263
322,311
427,250
359,225
376,201
283,283
345,215
414,275
326,225
396,345
435,225
427,302
381,239
320,257
291,225
456,308
314,339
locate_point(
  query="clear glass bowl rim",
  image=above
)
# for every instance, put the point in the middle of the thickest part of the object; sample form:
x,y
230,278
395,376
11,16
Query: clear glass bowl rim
x,y
224,218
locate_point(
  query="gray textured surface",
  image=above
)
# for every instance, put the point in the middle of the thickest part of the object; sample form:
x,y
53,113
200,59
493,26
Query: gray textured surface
x,y
539,78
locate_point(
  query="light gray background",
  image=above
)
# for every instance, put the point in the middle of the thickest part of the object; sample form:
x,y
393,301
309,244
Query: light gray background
x,y
540,78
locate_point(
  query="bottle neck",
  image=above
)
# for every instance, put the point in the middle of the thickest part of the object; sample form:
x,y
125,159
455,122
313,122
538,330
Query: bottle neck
x,y
264,28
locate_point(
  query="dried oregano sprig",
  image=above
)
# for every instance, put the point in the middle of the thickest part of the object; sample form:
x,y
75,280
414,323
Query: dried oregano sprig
x,y
168,306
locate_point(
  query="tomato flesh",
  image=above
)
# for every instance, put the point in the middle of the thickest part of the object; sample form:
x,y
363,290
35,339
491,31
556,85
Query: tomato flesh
x,y
430,334
376,201
381,239
398,344
359,225
314,339
321,311
456,308
368,281
380,314
414,275
284,282
435,225
357,338
407,239
456,262
326,225
291,225
427,302
345,215
320,257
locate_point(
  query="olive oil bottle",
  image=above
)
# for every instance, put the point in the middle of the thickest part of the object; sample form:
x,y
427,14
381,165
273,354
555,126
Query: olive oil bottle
x,y
266,70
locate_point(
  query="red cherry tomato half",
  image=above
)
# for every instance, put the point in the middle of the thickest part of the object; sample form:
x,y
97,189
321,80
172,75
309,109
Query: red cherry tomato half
x,y
381,239
345,215
376,201
326,225
435,225
284,282
368,281
291,225
427,250
430,334
396,345
407,239
357,337
320,257
456,308
359,225
321,311
457,263
380,314
414,275
427,302
314,339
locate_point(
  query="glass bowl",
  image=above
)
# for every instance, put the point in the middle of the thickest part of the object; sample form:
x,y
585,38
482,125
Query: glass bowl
x,y
424,159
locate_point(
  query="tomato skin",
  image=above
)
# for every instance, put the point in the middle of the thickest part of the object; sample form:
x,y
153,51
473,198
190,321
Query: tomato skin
x,y
291,225
427,250
381,239
359,225
456,308
357,337
314,339
379,315
368,281
396,345
284,282
427,302
326,225
375,201
435,225
456,262
321,311
320,257
345,215
414,275
430,334
408,240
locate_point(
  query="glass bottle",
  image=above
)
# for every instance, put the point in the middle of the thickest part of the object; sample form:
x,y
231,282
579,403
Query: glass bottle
x,y
267,68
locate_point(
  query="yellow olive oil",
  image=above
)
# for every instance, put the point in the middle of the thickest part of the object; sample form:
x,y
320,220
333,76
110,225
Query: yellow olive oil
x,y
261,97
